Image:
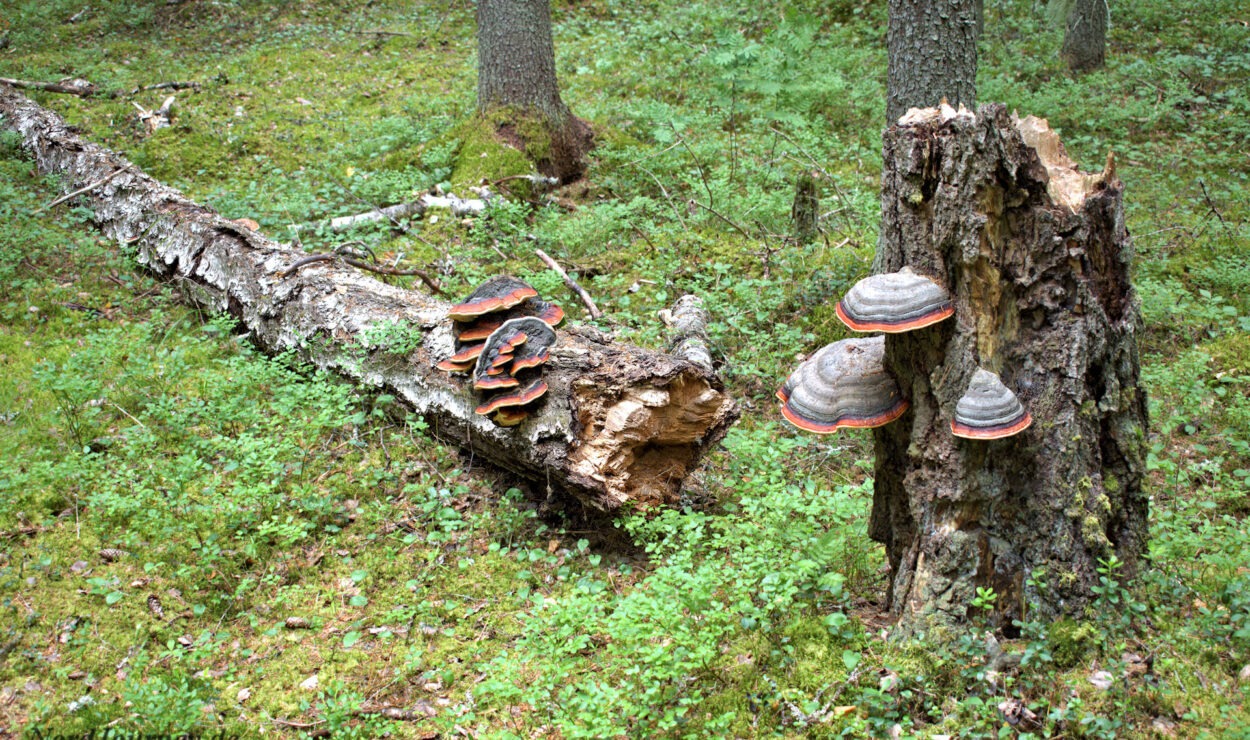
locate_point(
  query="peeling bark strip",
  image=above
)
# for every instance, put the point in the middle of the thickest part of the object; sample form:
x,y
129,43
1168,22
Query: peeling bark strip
x,y
1036,258
621,425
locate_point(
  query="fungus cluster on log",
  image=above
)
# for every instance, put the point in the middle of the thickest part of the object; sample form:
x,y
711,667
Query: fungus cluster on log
x,y
619,425
503,335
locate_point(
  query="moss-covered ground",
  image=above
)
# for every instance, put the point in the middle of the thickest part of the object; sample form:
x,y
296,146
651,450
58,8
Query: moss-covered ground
x,y
198,539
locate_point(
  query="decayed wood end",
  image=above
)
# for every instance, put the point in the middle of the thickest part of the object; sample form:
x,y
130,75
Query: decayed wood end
x,y
1066,184
638,440
1036,258
619,425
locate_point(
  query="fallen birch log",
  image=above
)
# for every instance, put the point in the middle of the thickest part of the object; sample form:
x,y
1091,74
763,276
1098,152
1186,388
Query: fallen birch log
x,y
621,425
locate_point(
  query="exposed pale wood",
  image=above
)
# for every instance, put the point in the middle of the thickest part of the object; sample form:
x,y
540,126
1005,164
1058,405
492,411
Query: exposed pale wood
x,y
620,424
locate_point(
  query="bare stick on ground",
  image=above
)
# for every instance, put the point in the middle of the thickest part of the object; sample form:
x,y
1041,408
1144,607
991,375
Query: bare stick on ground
x,y
587,301
619,424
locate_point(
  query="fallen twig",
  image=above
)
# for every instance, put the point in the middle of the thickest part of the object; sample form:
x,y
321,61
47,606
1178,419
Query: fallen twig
x,y
715,213
395,713
69,86
79,191
457,206
383,33
160,86
383,270
84,89
573,286
361,264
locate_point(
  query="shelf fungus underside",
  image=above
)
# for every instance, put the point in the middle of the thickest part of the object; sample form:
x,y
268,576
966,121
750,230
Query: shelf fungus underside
x,y
842,385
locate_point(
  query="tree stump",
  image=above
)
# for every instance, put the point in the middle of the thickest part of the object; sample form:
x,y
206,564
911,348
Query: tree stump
x,y
1037,260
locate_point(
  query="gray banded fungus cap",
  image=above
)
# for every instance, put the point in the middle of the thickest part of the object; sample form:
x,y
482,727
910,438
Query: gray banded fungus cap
x,y
989,410
843,385
894,302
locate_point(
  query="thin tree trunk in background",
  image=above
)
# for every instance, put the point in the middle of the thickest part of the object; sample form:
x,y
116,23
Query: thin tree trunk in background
x,y
1085,35
1036,257
933,54
517,70
620,425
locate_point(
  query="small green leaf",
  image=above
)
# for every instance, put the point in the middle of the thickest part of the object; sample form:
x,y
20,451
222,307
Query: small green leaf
x,y
114,597
358,600
351,638
850,659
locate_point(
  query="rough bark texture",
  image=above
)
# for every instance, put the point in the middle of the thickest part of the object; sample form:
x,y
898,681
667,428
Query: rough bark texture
x,y
933,54
1037,259
620,425
1085,35
517,72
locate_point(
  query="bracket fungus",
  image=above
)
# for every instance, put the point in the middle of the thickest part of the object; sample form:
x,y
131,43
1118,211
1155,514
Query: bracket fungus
x,y
481,327
989,410
521,397
502,329
843,385
895,302
497,294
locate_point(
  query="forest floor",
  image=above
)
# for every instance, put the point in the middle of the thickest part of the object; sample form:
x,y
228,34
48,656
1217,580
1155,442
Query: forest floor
x,y
195,538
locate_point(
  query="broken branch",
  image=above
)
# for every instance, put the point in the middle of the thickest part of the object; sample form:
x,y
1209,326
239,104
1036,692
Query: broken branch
x,y
79,191
571,283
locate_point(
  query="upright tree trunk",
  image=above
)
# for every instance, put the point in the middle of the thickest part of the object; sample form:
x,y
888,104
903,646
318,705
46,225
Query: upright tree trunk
x,y
1085,35
933,54
517,71
1036,257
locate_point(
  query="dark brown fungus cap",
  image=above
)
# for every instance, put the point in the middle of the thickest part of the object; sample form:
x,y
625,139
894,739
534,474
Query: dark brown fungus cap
x,y
481,328
989,410
525,337
894,302
520,397
842,385
497,294
455,367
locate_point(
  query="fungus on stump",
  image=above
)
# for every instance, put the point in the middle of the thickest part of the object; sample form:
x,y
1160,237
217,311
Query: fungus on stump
x,y
1036,257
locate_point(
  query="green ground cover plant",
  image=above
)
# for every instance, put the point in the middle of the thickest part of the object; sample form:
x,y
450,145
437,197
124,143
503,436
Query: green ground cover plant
x,y
195,538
